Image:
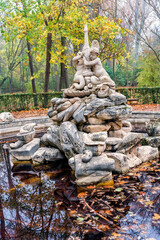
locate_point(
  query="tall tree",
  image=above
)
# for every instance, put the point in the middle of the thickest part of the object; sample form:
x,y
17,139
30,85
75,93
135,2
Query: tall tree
x,y
65,21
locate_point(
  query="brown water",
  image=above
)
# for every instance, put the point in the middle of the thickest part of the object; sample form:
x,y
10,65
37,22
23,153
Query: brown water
x,y
42,203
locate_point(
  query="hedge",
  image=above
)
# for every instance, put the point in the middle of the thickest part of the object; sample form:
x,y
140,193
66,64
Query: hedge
x,y
25,101
144,95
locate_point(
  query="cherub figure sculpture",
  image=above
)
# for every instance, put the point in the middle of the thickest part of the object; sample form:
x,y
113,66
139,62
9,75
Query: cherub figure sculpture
x,y
79,81
100,74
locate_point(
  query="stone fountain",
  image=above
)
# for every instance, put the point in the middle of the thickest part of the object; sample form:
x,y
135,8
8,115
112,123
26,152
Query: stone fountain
x,y
90,126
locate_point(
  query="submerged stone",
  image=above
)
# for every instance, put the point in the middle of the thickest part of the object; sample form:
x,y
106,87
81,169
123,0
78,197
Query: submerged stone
x,y
95,178
98,163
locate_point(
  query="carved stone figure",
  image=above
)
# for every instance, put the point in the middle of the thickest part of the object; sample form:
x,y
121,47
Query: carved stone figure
x,y
79,81
100,74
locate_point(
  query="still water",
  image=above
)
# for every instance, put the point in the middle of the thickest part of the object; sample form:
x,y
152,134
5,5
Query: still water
x,y
44,203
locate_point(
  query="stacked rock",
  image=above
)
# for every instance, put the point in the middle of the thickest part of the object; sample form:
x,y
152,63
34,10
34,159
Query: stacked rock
x,y
92,114
90,126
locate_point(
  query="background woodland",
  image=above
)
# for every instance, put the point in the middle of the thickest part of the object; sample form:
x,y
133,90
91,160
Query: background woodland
x,y
39,38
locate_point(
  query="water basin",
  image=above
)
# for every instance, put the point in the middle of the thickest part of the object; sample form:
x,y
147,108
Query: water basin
x,y
44,203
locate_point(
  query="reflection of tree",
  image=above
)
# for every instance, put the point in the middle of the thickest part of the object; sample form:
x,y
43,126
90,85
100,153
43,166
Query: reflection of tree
x,y
2,220
13,195
31,210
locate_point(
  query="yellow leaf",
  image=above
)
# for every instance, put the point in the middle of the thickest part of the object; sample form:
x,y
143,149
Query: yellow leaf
x,y
148,203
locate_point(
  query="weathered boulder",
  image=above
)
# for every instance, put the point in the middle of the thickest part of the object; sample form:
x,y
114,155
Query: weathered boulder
x,y
27,132
96,105
47,154
100,136
115,125
146,153
94,178
64,106
67,114
96,128
27,151
117,133
129,141
52,138
96,147
133,160
71,141
118,98
126,126
112,143
153,141
78,115
99,163
6,117
153,128
94,120
121,162
17,144
115,112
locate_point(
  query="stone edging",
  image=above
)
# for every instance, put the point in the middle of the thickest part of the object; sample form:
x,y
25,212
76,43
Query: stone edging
x,y
12,128
138,120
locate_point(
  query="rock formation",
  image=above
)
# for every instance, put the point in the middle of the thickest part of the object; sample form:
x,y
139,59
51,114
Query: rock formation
x,y
90,126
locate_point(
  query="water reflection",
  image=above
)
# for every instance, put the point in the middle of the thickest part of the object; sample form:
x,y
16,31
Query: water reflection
x,y
141,222
29,209
42,204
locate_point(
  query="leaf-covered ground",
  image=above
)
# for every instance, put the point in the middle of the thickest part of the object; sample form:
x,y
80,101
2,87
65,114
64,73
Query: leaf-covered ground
x,y
43,111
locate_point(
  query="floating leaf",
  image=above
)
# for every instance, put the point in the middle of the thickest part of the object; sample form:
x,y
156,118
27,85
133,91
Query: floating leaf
x,y
156,216
118,189
82,195
80,219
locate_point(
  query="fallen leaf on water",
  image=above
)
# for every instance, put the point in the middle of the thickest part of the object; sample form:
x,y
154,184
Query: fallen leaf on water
x,y
116,234
122,182
156,216
118,189
82,195
80,219
90,187
108,212
73,213
103,227
59,203
148,203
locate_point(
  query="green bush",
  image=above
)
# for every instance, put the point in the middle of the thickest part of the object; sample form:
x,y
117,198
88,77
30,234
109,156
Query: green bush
x,y
144,95
149,75
25,101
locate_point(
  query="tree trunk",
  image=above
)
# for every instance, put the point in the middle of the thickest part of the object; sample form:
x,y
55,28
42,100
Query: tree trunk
x,y
10,82
56,76
48,58
64,74
31,67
